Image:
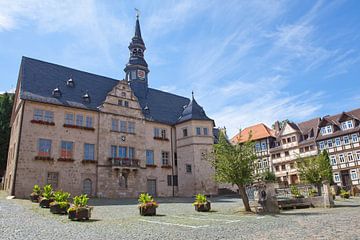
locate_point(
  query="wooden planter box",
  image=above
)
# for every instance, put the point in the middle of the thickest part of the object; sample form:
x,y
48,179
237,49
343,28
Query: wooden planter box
x,y
203,207
45,203
83,213
34,197
147,211
56,209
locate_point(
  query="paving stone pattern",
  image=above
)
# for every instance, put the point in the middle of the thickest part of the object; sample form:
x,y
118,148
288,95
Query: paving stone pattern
x,y
119,219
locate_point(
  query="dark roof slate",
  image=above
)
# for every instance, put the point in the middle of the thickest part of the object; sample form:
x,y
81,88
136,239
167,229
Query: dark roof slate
x,y
193,111
38,80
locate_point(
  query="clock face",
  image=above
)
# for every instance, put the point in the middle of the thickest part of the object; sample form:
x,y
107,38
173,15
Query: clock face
x,y
141,73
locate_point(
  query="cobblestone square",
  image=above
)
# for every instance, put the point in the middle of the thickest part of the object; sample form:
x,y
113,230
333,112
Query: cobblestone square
x,y
176,219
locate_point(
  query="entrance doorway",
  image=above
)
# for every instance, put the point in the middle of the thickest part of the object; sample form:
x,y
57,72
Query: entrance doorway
x,y
294,179
345,178
151,187
87,187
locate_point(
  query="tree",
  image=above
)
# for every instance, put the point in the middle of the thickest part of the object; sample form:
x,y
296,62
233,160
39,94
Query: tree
x,y
235,164
6,102
315,170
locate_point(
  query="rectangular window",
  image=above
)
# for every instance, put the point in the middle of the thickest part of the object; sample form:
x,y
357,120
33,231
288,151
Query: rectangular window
x,y
114,125
289,140
205,130
131,153
257,147
301,150
358,155
265,163
350,124
175,180
163,133
123,126
321,145
122,152
156,132
284,141
341,158
336,177
113,151
346,140
66,149
44,147
353,174
38,114
260,164
350,157
169,180
185,132
188,168
329,143
323,131
79,120
149,157
89,151
53,179
328,129
277,168
292,166
89,122
287,154
354,138
49,116
283,167
165,158
333,160
126,104
69,118
263,146
293,138
131,127
120,102
343,126
278,155
337,142
198,131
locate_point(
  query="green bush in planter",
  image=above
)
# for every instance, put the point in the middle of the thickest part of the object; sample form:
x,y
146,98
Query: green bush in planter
x,y
344,193
36,193
312,192
296,192
48,192
200,199
80,210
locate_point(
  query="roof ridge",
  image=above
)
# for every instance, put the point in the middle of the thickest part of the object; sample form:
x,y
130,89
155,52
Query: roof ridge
x,y
153,89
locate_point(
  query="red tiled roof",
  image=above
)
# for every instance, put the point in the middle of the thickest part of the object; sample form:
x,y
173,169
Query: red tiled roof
x,y
258,131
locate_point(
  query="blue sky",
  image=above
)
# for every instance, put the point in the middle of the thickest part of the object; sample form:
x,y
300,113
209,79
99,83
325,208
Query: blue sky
x,y
247,61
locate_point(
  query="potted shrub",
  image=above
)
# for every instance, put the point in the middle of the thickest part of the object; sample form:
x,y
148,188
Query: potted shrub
x,y
36,193
80,209
312,192
147,205
295,192
201,203
47,197
61,203
344,193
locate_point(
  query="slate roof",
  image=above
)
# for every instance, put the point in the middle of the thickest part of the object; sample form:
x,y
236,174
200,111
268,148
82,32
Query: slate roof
x,y
38,80
193,111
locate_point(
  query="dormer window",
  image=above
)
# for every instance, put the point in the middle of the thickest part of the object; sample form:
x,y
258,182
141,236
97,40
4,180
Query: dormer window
x,y
56,92
86,97
70,82
326,130
347,125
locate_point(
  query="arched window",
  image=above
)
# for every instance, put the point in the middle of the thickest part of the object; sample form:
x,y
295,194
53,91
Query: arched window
x,y
87,187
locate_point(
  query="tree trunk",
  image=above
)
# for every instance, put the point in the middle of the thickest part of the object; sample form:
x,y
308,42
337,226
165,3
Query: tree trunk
x,y
244,197
319,189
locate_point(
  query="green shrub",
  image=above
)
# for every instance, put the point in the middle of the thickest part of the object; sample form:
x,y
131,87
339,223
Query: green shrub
x,y
48,192
37,189
295,191
269,176
200,199
312,192
344,193
81,201
146,200
61,198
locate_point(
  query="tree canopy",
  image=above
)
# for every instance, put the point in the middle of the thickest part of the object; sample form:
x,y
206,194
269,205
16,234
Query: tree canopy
x,y
6,102
235,164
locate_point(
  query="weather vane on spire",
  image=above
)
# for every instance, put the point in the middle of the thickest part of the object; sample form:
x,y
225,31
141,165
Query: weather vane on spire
x,y
137,12
192,93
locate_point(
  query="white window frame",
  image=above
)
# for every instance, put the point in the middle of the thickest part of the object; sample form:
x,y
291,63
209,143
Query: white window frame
x,y
336,177
350,157
263,146
341,158
354,138
321,145
338,142
346,140
329,129
323,131
358,155
333,160
330,143
354,175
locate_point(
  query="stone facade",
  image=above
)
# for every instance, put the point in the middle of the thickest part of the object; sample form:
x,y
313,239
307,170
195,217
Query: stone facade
x,y
107,142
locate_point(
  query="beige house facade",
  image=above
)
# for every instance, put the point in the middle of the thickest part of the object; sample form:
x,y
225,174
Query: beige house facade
x,y
85,133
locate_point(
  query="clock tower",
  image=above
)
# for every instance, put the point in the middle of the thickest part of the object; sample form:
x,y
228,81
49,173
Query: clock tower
x,y
136,69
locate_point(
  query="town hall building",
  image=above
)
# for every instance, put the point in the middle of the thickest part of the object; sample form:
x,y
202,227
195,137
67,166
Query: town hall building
x,y
85,133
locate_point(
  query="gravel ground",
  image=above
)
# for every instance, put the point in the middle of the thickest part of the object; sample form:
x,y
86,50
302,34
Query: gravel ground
x,y
119,219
